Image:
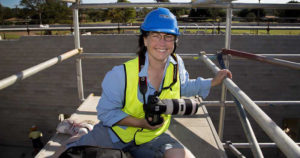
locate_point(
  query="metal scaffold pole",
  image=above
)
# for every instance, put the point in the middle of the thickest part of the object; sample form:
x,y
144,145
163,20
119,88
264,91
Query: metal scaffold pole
x,y
223,93
257,153
261,58
77,45
37,68
254,146
282,140
202,4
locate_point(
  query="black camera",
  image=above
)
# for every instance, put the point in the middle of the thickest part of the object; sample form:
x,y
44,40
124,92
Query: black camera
x,y
155,107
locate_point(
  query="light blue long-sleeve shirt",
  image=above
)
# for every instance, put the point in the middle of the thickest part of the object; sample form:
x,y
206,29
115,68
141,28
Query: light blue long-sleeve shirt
x,y
113,88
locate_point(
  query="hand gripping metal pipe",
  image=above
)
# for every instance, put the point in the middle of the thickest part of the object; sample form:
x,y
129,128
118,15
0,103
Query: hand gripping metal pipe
x,y
283,141
256,151
224,90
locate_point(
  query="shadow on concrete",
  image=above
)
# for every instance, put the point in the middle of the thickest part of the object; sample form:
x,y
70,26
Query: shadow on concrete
x,y
198,146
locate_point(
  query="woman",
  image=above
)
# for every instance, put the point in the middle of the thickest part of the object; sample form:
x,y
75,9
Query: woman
x,y
157,71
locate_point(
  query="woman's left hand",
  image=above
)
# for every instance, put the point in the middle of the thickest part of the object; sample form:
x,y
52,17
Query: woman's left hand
x,y
220,77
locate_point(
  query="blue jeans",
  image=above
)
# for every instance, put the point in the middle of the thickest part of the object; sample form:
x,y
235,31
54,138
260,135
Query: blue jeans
x,y
156,148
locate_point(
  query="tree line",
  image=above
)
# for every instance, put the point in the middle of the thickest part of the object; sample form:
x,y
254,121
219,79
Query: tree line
x,y
57,12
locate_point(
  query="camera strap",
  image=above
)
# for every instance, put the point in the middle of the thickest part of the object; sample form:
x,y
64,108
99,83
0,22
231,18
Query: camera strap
x,y
143,80
175,71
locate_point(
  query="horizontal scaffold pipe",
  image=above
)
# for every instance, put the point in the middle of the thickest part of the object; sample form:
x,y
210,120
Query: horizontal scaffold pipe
x,y
247,145
260,103
283,141
263,59
188,5
37,68
184,55
54,28
131,55
243,27
233,149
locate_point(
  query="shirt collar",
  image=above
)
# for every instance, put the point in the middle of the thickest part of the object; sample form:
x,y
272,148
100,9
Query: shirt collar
x,y
144,70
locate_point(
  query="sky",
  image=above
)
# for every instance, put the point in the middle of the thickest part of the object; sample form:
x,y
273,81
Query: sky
x,y
13,3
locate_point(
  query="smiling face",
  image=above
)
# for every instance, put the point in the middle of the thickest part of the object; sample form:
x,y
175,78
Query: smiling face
x,y
159,45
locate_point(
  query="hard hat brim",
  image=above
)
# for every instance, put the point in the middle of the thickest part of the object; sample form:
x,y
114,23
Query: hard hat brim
x,y
168,31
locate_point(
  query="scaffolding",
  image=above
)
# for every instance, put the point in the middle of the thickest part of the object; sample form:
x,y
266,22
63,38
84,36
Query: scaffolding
x,y
243,102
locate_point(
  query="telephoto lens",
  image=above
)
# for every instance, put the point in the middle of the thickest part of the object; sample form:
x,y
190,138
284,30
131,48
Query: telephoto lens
x,y
181,106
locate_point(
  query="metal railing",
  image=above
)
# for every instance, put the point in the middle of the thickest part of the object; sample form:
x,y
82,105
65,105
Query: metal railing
x,y
198,27
37,68
233,149
186,55
284,142
260,103
248,130
78,61
189,5
262,58
262,145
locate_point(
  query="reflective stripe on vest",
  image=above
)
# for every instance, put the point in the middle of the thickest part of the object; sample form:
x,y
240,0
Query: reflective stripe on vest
x,y
134,107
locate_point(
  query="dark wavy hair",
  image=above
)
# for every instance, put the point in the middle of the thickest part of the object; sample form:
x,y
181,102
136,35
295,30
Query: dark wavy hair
x,y
142,48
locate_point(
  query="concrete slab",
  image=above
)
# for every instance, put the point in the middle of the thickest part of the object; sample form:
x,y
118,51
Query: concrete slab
x,y
16,151
196,132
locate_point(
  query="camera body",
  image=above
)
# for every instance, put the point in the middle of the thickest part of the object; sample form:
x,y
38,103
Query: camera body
x,y
155,107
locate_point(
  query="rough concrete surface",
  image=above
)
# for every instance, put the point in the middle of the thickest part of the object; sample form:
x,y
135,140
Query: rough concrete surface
x,y
39,99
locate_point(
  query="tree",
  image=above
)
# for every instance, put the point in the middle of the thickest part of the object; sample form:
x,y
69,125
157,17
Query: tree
x,y
35,6
206,13
245,12
122,15
288,13
201,13
23,13
179,11
46,11
142,12
5,13
1,14
95,15
56,12
250,17
251,14
216,13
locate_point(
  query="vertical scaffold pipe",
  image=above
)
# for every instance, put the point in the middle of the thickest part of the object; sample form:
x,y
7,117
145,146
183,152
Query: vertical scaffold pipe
x,y
282,140
77,45
228,26
224,90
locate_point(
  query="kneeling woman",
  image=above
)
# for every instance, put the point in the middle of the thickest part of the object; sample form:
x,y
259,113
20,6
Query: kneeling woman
x,y
125,89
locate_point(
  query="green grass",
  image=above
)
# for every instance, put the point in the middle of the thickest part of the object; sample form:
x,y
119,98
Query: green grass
x,y
17,35
264,32
252,32
10,35
285,32
97,22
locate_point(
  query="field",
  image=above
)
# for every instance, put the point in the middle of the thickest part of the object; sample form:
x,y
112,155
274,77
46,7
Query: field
x,y
17,35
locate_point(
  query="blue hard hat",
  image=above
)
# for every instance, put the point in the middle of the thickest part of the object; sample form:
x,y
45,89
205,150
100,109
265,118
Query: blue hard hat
x,y
161,20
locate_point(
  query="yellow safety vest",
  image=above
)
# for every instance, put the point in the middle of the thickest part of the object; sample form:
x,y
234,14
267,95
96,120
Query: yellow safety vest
x,y
134,107
35,134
